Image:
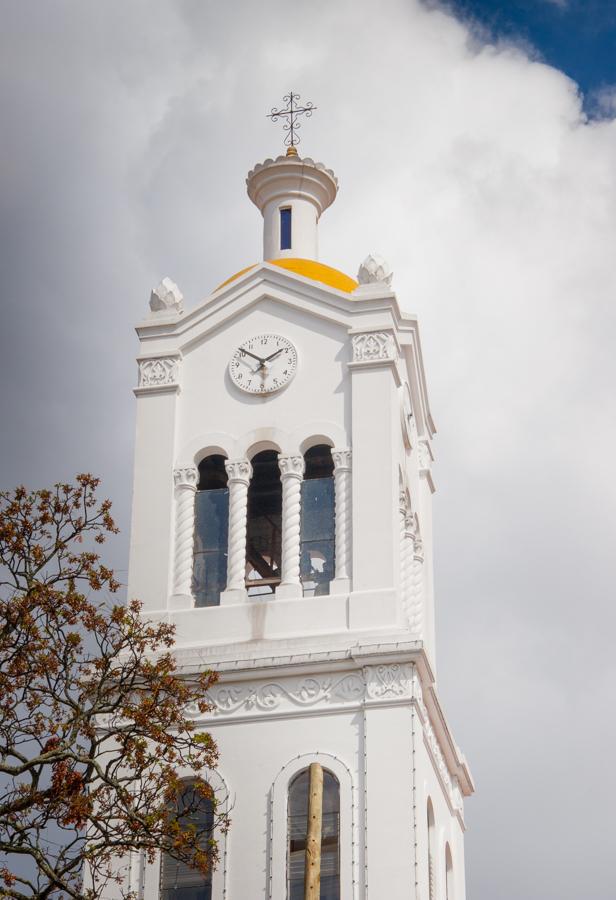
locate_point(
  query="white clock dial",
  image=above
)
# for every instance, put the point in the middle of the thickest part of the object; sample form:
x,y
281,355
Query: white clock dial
x,y
263,364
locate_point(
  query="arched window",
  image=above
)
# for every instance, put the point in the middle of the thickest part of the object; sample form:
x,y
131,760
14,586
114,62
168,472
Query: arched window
x,y
317,522
449,891
177,880
211,530
330,836
264,525
431,845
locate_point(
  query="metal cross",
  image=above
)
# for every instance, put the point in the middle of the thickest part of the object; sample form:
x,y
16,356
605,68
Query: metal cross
x,y
292,111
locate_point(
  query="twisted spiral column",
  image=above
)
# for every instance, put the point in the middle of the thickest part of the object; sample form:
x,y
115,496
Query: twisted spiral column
x,y
185,480
291,474
416,590
239,472
342,486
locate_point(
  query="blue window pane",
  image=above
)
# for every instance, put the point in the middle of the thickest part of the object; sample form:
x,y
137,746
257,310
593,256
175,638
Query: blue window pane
x,y
317,551
285,229
210,551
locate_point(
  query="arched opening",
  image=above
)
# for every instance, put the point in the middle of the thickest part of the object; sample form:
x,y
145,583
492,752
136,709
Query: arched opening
x,y
264,525
211,532
297,817
449,889
317,534
195,809
431,846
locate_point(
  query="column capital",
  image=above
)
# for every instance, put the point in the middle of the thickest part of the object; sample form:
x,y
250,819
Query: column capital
x,y
342,459
238,470
186,477
291,466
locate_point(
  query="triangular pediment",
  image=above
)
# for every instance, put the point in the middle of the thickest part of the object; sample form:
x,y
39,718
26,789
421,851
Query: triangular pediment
x,y
267,282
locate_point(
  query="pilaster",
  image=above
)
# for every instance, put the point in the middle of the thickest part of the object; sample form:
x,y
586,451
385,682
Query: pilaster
x,y
376,541
153,521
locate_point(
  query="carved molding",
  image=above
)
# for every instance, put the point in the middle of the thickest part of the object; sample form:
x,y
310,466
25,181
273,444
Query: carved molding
x,y
383,683
425,457
342,460
450,783
160,371
239,470
373,346
292,693
389,681
186,477
291,466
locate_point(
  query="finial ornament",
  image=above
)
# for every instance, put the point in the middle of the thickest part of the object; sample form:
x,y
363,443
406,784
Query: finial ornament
x,y
375,270
291,126
167,297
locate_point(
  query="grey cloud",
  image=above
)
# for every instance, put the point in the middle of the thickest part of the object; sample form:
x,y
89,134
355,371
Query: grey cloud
x,y
127,133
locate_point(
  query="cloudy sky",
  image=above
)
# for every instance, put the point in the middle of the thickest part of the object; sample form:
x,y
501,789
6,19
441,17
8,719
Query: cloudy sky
x,y
475,144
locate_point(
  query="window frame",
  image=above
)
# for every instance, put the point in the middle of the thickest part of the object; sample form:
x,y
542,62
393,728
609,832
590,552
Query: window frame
x,y
348,831
152,871
285,225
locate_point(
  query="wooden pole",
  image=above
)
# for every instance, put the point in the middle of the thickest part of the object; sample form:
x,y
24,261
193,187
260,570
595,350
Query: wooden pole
x,y
312,871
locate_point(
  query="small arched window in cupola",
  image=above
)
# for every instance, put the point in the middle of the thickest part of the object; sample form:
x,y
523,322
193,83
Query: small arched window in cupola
x,y
211,530
285,228
317,534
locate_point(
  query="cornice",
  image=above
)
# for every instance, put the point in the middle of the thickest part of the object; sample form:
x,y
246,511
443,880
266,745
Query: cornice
x,y
296,684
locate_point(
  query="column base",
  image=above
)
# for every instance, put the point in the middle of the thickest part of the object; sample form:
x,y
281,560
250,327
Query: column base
x,y
289,591
340,586
181,601
233,596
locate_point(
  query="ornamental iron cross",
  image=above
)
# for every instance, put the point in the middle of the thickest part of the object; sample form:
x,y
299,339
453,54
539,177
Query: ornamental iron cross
x,y
292,111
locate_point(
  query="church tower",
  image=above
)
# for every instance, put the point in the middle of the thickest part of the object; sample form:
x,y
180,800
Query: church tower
x,y
282,521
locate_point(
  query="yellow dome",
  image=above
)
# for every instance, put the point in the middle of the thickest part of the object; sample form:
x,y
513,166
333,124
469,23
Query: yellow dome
x,y
309,268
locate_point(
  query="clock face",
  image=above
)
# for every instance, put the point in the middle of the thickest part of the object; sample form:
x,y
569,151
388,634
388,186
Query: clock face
x,y
263,364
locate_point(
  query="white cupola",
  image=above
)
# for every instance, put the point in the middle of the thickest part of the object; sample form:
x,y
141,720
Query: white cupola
x,y
291,193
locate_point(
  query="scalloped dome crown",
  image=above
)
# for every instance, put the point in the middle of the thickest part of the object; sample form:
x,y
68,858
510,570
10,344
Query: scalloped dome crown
x,y
291,193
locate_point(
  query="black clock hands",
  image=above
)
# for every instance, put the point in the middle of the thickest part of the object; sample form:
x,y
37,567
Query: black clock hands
x,y
258,358
272,355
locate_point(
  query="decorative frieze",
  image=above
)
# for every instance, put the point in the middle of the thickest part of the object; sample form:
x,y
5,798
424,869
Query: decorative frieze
x,y
374,346
160,371
287,694
385,683
393,681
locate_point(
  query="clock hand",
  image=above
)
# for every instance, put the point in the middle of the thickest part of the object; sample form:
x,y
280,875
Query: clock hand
x,y
272,355
248,353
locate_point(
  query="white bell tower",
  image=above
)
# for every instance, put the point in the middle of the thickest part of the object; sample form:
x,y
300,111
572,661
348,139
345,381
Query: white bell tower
x,y
282,521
